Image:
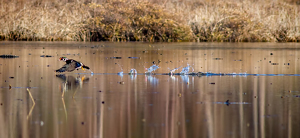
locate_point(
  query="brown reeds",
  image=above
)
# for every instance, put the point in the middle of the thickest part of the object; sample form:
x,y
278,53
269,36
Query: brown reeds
x,y
48,21
133,20
246,21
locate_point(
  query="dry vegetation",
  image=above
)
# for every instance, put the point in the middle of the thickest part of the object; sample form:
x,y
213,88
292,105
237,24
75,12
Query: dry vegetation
x,y
141,20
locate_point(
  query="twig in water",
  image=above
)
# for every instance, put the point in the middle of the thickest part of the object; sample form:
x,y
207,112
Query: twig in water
x,y
29,114
31,96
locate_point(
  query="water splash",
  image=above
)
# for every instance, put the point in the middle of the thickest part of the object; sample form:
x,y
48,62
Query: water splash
x,y
132,71
121,73
92,73
133,74
173,70
152,68
186,69
120,66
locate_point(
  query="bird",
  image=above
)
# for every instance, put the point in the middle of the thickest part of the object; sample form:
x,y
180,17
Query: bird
x,y
71,65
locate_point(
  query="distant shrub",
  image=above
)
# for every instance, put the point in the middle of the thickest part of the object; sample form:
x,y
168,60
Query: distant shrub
x,y
246,22
132,21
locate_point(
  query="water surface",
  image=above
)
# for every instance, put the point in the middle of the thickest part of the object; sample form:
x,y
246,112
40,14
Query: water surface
x,y
108,105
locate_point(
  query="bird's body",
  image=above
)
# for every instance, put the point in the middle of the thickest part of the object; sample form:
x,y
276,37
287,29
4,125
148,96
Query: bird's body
x,y
71,65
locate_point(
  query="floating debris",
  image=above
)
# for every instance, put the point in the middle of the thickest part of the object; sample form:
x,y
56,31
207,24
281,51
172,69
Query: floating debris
x,y
9,56
46,56
227,103
217,58
159,61
134,57
66,54
115,57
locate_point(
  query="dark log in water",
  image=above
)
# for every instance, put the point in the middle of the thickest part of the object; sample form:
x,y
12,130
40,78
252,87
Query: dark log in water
x,y
9,56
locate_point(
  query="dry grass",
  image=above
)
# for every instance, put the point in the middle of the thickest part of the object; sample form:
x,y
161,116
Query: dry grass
x,y
133,20
48,21
246,21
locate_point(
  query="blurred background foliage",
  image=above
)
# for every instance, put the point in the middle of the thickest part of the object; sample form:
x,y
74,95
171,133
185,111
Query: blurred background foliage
x,y
150,20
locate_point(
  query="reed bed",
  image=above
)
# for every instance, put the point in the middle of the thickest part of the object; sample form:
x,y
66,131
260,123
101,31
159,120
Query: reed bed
x,y
133,20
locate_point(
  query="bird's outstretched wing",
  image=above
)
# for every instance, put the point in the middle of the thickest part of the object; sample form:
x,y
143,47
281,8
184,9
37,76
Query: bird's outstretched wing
x,y
67,67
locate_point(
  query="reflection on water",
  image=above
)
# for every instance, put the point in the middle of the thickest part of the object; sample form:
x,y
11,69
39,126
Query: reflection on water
x,y
151,79
185,79
105,105
72,81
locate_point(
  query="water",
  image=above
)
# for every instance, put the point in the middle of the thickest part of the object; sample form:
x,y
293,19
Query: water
x,y
260,80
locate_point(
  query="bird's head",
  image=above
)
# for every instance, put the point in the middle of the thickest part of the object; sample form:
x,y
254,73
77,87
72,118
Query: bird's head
x,y
63,59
